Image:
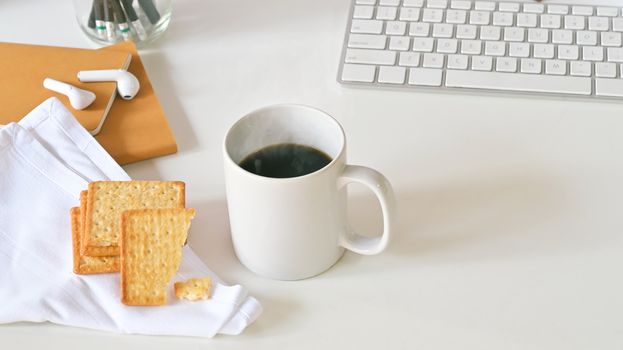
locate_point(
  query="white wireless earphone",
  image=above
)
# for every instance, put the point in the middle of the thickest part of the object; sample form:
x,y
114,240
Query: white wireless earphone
x,y
127,84
78,98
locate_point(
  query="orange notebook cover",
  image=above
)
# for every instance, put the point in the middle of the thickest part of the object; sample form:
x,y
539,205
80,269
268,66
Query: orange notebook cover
x,y
136,129
23,68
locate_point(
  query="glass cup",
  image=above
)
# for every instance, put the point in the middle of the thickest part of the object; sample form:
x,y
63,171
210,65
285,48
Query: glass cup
x,y
108,22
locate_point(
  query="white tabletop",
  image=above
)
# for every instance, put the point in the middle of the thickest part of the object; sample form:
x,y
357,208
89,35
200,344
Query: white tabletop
x,y
510,233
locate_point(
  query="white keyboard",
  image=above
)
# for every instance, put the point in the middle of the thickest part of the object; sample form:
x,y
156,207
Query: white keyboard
x,y
503,46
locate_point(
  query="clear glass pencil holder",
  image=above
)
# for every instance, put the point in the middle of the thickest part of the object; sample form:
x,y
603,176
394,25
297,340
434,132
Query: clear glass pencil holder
x,y
108,22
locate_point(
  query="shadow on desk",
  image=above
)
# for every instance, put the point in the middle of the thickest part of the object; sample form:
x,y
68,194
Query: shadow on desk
x,y
480,218
195,20
166,88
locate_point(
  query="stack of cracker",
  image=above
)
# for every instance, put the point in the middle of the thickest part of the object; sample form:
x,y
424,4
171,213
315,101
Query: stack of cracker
x,y
137,228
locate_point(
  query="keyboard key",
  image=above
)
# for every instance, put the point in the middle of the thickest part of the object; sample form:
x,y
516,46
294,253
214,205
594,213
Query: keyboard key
x,y
366,26
556,67
615,54
386,13
508,6
582,10
530,65
550,21
443,30
605,70
495,48
609,87
568,52
482,63
582,69
562,36
389,2
558,9
543,51
457,61
479,17
423,44
409,59
358,72
447,45
425,76
370,56
502,19
367,41
538,35
526,20
409,14
598,23
433,60
533,8
364,12
432,15
461,5
514,34
506,64
592,53
392,75
490,33
519,49
466,32
574,22
419,29
484,6
518,82
585,37
456,16
471,47
365,2
610,39
617,24
437,4
399,43
413,3
607,11
396,28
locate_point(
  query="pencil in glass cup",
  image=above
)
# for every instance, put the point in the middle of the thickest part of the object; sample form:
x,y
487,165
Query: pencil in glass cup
x,y
98,13
120,19
133,19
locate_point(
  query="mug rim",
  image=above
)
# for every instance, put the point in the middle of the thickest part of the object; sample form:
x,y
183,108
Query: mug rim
x,y
325,168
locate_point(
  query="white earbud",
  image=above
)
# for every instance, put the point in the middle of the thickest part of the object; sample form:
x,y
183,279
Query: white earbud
x,y
78,98
127,84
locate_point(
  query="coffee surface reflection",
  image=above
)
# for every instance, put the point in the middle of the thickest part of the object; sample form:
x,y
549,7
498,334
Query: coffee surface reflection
x,y
285,160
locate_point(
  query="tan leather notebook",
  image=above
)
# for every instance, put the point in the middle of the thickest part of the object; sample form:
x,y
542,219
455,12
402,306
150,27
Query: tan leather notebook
x,y
23,68
136,129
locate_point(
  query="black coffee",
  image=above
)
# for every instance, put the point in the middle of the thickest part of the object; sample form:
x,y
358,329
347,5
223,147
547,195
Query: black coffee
x,y
285,160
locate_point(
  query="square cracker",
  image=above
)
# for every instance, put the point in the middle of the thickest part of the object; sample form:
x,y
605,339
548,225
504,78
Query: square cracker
x,y
83,213
86,265
106,200
151,252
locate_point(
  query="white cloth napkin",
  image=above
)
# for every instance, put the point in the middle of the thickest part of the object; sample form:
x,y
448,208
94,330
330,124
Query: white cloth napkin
x,y
45,161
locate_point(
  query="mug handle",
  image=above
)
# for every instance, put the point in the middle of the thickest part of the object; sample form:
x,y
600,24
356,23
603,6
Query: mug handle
x,y
381,187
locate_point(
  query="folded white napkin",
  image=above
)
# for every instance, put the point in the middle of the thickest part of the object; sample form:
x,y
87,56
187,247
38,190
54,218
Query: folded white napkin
x,y
45,161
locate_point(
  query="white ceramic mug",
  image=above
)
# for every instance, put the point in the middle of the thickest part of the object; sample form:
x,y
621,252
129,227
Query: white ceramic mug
x,y
294,228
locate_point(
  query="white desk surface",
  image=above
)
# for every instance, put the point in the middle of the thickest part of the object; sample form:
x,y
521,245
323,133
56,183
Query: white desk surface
x,y
510,234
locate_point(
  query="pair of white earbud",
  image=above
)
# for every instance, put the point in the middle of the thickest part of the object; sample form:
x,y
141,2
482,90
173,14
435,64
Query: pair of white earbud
x,y
127,86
